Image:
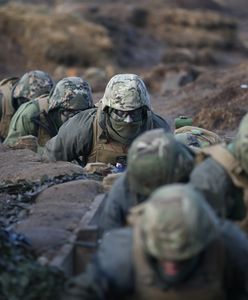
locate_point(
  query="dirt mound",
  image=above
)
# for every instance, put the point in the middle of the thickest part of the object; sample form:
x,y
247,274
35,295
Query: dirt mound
x,y
27,166
144,34
215,99
56,214
44,39
194,29
170,77
127,36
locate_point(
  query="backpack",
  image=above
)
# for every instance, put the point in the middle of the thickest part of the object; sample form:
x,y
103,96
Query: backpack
x,y
196,136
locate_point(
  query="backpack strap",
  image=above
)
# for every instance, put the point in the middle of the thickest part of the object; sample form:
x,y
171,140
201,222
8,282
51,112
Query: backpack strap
x,y
229,163
10,80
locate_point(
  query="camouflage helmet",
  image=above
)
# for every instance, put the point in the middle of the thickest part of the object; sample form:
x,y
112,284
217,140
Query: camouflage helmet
x,y
240,146
71,93
155,158
32,85
126,92
177,223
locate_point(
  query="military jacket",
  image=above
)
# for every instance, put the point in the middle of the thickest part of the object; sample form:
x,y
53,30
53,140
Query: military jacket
x,y
118,202
212,179
29,120
84,135
115,273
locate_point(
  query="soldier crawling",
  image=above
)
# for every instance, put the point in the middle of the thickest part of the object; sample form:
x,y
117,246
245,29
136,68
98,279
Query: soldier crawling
x,y
155,158
14,92
104,134
175,249
43,116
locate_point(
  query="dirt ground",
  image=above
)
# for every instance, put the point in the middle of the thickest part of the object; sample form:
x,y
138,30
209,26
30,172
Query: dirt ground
x,y
192,55
188,52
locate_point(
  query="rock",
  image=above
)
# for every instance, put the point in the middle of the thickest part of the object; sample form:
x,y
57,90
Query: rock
x,y
163,78
56,214
27,166
26,142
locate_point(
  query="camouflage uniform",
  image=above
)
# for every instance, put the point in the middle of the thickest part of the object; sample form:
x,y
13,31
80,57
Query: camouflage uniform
x,y
15,91
43,116
104,134
155,158
196,137
175,226
222,176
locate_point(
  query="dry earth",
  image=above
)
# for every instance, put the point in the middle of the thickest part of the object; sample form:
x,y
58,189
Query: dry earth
x,y
183,49
192,55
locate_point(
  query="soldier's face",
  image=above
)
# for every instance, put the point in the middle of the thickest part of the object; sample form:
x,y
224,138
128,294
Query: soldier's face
x,y
127,116
175,268
67,114
170,268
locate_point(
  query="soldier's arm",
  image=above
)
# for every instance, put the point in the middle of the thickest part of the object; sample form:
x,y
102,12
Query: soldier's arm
x,y
159,122
74,138
110,274
114,212
21,123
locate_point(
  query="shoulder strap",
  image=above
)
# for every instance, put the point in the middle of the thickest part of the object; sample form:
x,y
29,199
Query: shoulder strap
x,y
43,102
10,80
229,163
222,156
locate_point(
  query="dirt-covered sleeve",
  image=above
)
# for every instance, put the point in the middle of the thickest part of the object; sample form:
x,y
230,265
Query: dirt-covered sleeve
x,y
73,140
21,123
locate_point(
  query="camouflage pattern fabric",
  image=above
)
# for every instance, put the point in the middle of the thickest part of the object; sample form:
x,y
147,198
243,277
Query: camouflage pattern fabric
x,y
196,137
71,93
177,223
156,158
21,276
21,124
33,84
126,92
240,146
75,138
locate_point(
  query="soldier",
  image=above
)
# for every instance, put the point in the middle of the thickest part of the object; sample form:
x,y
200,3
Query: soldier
x,y
104,134
15,91
176,249
155,158
223,175
43,116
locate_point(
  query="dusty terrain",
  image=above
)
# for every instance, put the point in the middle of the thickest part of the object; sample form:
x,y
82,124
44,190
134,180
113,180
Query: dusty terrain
x,y
188,52
192,55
